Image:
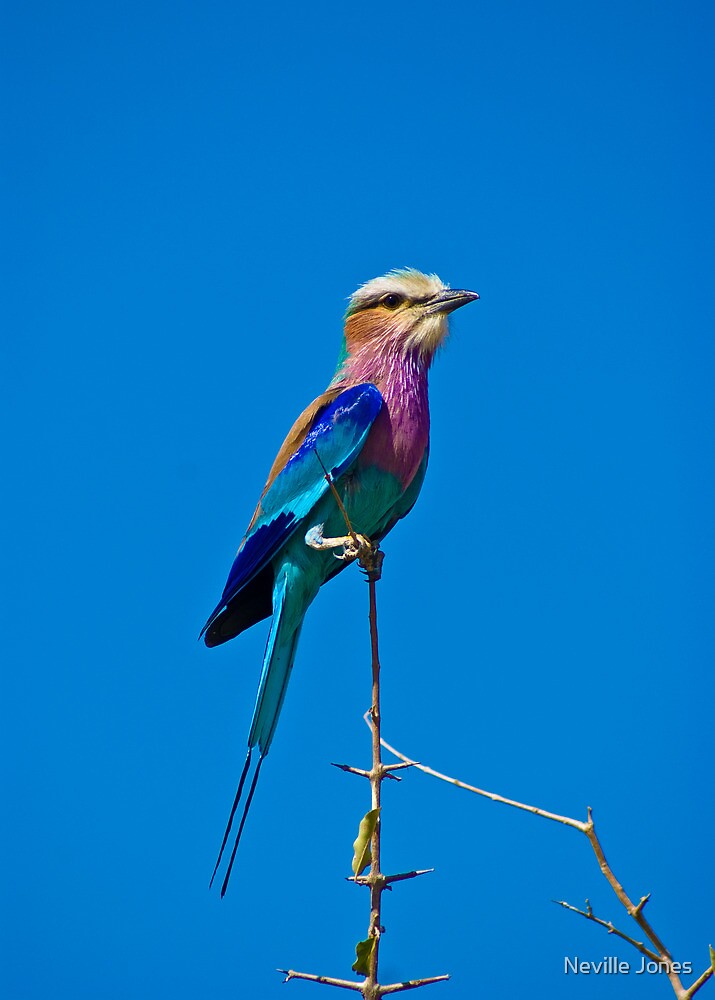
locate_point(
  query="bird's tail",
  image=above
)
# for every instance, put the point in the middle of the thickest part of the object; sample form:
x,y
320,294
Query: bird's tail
x,y
277,665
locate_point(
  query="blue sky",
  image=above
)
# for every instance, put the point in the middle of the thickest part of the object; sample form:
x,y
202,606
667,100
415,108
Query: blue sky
x,y
191,191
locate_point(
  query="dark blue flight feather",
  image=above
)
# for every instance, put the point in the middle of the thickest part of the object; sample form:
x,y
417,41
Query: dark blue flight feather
x,y
337,435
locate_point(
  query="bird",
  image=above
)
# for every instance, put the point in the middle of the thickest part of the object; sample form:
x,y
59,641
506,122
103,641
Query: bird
x,y
364,442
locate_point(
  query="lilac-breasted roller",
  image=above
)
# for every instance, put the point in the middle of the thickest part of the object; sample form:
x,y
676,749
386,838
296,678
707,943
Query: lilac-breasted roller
x,y
369,432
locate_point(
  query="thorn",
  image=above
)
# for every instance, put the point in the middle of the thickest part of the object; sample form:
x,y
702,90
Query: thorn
x,y
351,770
406,875
411,984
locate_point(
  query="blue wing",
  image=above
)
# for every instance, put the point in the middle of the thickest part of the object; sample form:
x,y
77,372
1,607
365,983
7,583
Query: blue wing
x,y
334,439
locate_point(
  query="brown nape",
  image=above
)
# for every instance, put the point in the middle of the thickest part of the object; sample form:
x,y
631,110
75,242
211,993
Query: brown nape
x,y
250,605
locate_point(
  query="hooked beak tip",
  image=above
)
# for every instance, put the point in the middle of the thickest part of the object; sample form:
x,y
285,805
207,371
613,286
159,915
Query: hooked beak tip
x,y
453,298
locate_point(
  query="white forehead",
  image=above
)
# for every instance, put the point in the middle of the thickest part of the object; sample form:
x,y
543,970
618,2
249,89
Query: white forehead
x,y
408,282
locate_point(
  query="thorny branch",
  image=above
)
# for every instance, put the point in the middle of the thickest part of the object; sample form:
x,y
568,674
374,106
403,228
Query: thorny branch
x,y
660,953
371,562
370,558
373,567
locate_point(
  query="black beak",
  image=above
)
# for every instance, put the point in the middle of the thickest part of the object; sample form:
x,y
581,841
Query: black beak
x,y
450,299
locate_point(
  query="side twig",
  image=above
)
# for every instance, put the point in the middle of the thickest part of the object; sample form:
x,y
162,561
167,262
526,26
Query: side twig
x,y
589,915
659,953
344,984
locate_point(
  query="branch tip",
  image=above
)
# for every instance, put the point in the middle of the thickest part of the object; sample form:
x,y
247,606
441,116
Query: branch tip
x,y
639,907
345,984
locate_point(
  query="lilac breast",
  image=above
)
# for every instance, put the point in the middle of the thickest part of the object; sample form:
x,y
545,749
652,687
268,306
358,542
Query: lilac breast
x,y
400,434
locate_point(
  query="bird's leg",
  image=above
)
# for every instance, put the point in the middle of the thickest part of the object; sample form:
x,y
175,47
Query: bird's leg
x,y
371,561
354,545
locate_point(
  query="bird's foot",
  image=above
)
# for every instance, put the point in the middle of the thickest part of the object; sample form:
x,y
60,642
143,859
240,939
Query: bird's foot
x,y
371,561
354,545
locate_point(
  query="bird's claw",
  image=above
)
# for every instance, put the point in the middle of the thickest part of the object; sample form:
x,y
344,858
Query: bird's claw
x,y
354,546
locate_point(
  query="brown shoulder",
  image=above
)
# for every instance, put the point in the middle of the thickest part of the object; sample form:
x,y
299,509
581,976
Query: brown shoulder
x,y
296,436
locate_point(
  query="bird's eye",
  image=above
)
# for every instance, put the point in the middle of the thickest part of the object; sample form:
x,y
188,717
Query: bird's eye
x,y
392,300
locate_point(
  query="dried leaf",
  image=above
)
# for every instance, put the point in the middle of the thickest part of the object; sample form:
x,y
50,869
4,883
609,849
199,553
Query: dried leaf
x,y
362,855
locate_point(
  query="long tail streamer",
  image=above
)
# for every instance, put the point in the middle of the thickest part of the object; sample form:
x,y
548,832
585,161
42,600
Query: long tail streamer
x,y
244,814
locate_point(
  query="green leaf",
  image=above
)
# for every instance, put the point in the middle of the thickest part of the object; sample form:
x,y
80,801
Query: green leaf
x,y
712,957
362,855
364,950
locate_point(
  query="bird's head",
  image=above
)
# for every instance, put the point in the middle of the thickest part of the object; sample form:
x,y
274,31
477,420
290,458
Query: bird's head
x,y
403,311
